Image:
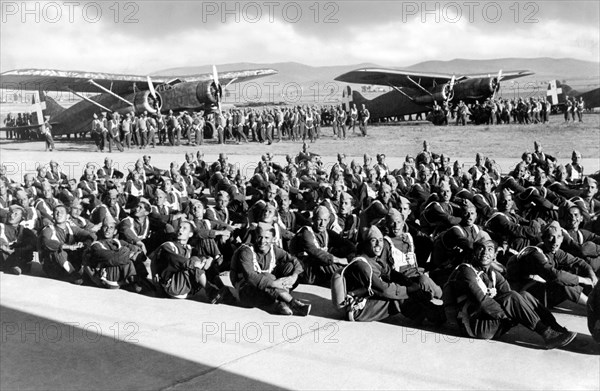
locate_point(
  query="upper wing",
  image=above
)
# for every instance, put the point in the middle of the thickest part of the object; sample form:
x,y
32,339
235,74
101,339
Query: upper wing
x,y
393,77
401,78
508,75
56,80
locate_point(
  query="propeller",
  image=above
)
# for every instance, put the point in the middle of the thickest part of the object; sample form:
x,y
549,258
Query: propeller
x,y
497,84
450,91
151,87
217,87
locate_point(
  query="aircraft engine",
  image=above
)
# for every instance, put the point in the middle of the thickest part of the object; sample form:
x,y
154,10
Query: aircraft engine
x,y
440,94
208,92
475,88
144,101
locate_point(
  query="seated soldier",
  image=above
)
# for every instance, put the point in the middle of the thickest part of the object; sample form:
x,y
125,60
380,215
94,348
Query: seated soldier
x,y
346,219
439,214
587,243
450,246
17,243
268,216
376,290
143,229
76,219
178,268
486,200
109,209
508,229
321,250
62,246
109,262
46,203
289,220
163,210
220,212
402,251
263,275
565,276
480,301
70,191
206,229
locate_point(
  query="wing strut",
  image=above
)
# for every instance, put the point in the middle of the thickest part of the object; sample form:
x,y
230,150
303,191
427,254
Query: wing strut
x,y
89,100
109,92
418,85
232,81
402,92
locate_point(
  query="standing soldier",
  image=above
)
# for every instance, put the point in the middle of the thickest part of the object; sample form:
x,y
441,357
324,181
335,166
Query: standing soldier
x,y
152,126
294,123
269,125
187,123
238,126
310,125
171,125
47,133
220,126
364,119
200,127
252,124
353,118
333,114
279,123
97,133
126,128
228,125
317,117
579,108
142,127
461,113
135,137
341,122
162,131
302,122
568,106
113,133
104,121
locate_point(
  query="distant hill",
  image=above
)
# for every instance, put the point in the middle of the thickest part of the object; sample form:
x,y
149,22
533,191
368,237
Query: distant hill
x,y
581,75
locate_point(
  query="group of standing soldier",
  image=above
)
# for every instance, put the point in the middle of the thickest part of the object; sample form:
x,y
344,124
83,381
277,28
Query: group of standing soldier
x,y
495,112
236,125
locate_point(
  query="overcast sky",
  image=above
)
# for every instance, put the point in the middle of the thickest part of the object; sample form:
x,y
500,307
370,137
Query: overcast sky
x,y
144,36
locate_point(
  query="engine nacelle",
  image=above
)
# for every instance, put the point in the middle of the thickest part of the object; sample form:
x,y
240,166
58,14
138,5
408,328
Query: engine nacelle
x,y
440,94
208,93
144,101
191,95
479,88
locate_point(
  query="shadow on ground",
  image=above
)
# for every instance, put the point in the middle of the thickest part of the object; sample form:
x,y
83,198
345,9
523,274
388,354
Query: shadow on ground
x,y
39,353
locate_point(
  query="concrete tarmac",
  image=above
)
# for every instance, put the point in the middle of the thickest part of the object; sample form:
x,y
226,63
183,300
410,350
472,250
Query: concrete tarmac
x,y
57,336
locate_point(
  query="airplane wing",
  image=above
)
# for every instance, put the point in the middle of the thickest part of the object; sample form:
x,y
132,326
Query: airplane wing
x,y
402,78
393,77
508,75
56,80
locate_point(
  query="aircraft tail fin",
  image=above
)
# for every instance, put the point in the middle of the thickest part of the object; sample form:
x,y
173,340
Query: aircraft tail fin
x,y
50,106
557,92
358,98
43,105
350,97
